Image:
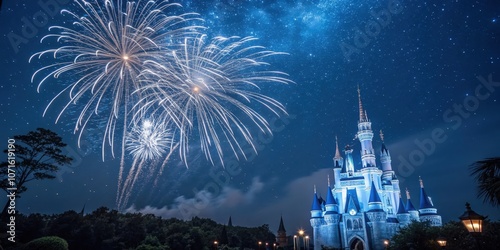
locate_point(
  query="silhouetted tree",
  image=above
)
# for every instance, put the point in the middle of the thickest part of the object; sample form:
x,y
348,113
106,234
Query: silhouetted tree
x,y
487,174
36,156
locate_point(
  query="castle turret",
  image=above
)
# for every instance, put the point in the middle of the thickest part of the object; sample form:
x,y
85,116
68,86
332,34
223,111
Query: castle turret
x,y
377,218
332,220
410,208
365,136
281,238
316,220
338,163
427,210
403,215
385,159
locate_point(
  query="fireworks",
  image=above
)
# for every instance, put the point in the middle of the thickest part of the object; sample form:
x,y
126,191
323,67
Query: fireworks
x,y
148,141
122,62
104,52
212,88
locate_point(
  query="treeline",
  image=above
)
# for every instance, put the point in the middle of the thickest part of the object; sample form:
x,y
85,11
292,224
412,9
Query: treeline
x,y
109,229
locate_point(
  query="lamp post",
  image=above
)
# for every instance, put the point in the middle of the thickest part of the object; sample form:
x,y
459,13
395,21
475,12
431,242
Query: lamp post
x,y
274,246
473,222
386,243
307,242
215,244
442,242
301,233
260,243
295,242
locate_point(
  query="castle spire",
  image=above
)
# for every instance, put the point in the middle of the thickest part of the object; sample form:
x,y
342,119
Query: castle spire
x,y
424,199
362,113
337,151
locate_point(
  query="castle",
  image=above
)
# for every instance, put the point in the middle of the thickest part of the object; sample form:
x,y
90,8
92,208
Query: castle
x,y
364,208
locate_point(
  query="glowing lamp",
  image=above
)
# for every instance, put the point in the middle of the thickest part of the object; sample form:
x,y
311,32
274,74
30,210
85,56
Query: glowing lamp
x,y
472,221
441,242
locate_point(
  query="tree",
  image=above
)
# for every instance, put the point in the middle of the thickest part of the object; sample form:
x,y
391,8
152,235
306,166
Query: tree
x,y
487,174
47,243
34,156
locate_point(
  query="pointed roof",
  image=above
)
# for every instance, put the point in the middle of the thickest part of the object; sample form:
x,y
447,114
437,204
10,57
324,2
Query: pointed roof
x,y
329,196
230,222
409,205
424,199
374,197
281,228
316,203
384,149
362,112
337,151
352,201
401,208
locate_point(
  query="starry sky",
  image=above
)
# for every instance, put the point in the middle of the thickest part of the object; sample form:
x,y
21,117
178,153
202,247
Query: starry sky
x,y
427,67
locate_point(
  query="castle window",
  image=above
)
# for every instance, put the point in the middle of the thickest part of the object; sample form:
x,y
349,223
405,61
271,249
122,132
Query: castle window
x,y
360,223
356,224
349,224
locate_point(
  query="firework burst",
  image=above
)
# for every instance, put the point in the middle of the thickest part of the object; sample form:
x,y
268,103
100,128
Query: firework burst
x,y
102,54
211,88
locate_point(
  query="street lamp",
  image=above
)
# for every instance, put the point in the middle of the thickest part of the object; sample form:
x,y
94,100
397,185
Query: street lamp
x,y
295,242
442,242
307,242
260,243
472,221
301,234
386,243
215,244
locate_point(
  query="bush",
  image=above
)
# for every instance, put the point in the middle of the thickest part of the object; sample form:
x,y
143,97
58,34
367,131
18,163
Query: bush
x,y
47,243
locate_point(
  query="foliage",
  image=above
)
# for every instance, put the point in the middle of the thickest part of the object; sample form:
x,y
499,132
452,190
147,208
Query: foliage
x,y
47,243
422,236
38,155
487,174
109,229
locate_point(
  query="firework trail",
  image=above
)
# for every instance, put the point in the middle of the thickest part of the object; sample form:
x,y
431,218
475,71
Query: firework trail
x,y
148,143
211,88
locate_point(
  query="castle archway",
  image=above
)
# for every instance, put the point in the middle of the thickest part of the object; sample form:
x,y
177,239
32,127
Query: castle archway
x,y
356,244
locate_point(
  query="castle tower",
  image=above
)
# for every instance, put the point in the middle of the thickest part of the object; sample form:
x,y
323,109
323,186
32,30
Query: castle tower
x,y
365,136
316,220
377,218
385,159
338,163
281,238
427,210
403,215
410,208
332,220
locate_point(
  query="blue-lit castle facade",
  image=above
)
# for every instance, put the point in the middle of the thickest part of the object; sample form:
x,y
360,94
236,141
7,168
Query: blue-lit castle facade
x,y
364,206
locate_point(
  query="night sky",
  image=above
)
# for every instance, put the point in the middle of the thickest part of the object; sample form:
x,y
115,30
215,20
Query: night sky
x,y
431,67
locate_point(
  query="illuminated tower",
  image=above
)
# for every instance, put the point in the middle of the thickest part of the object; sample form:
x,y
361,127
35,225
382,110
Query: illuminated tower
x,y
410,208
365,136
316,220
338,163
427,210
